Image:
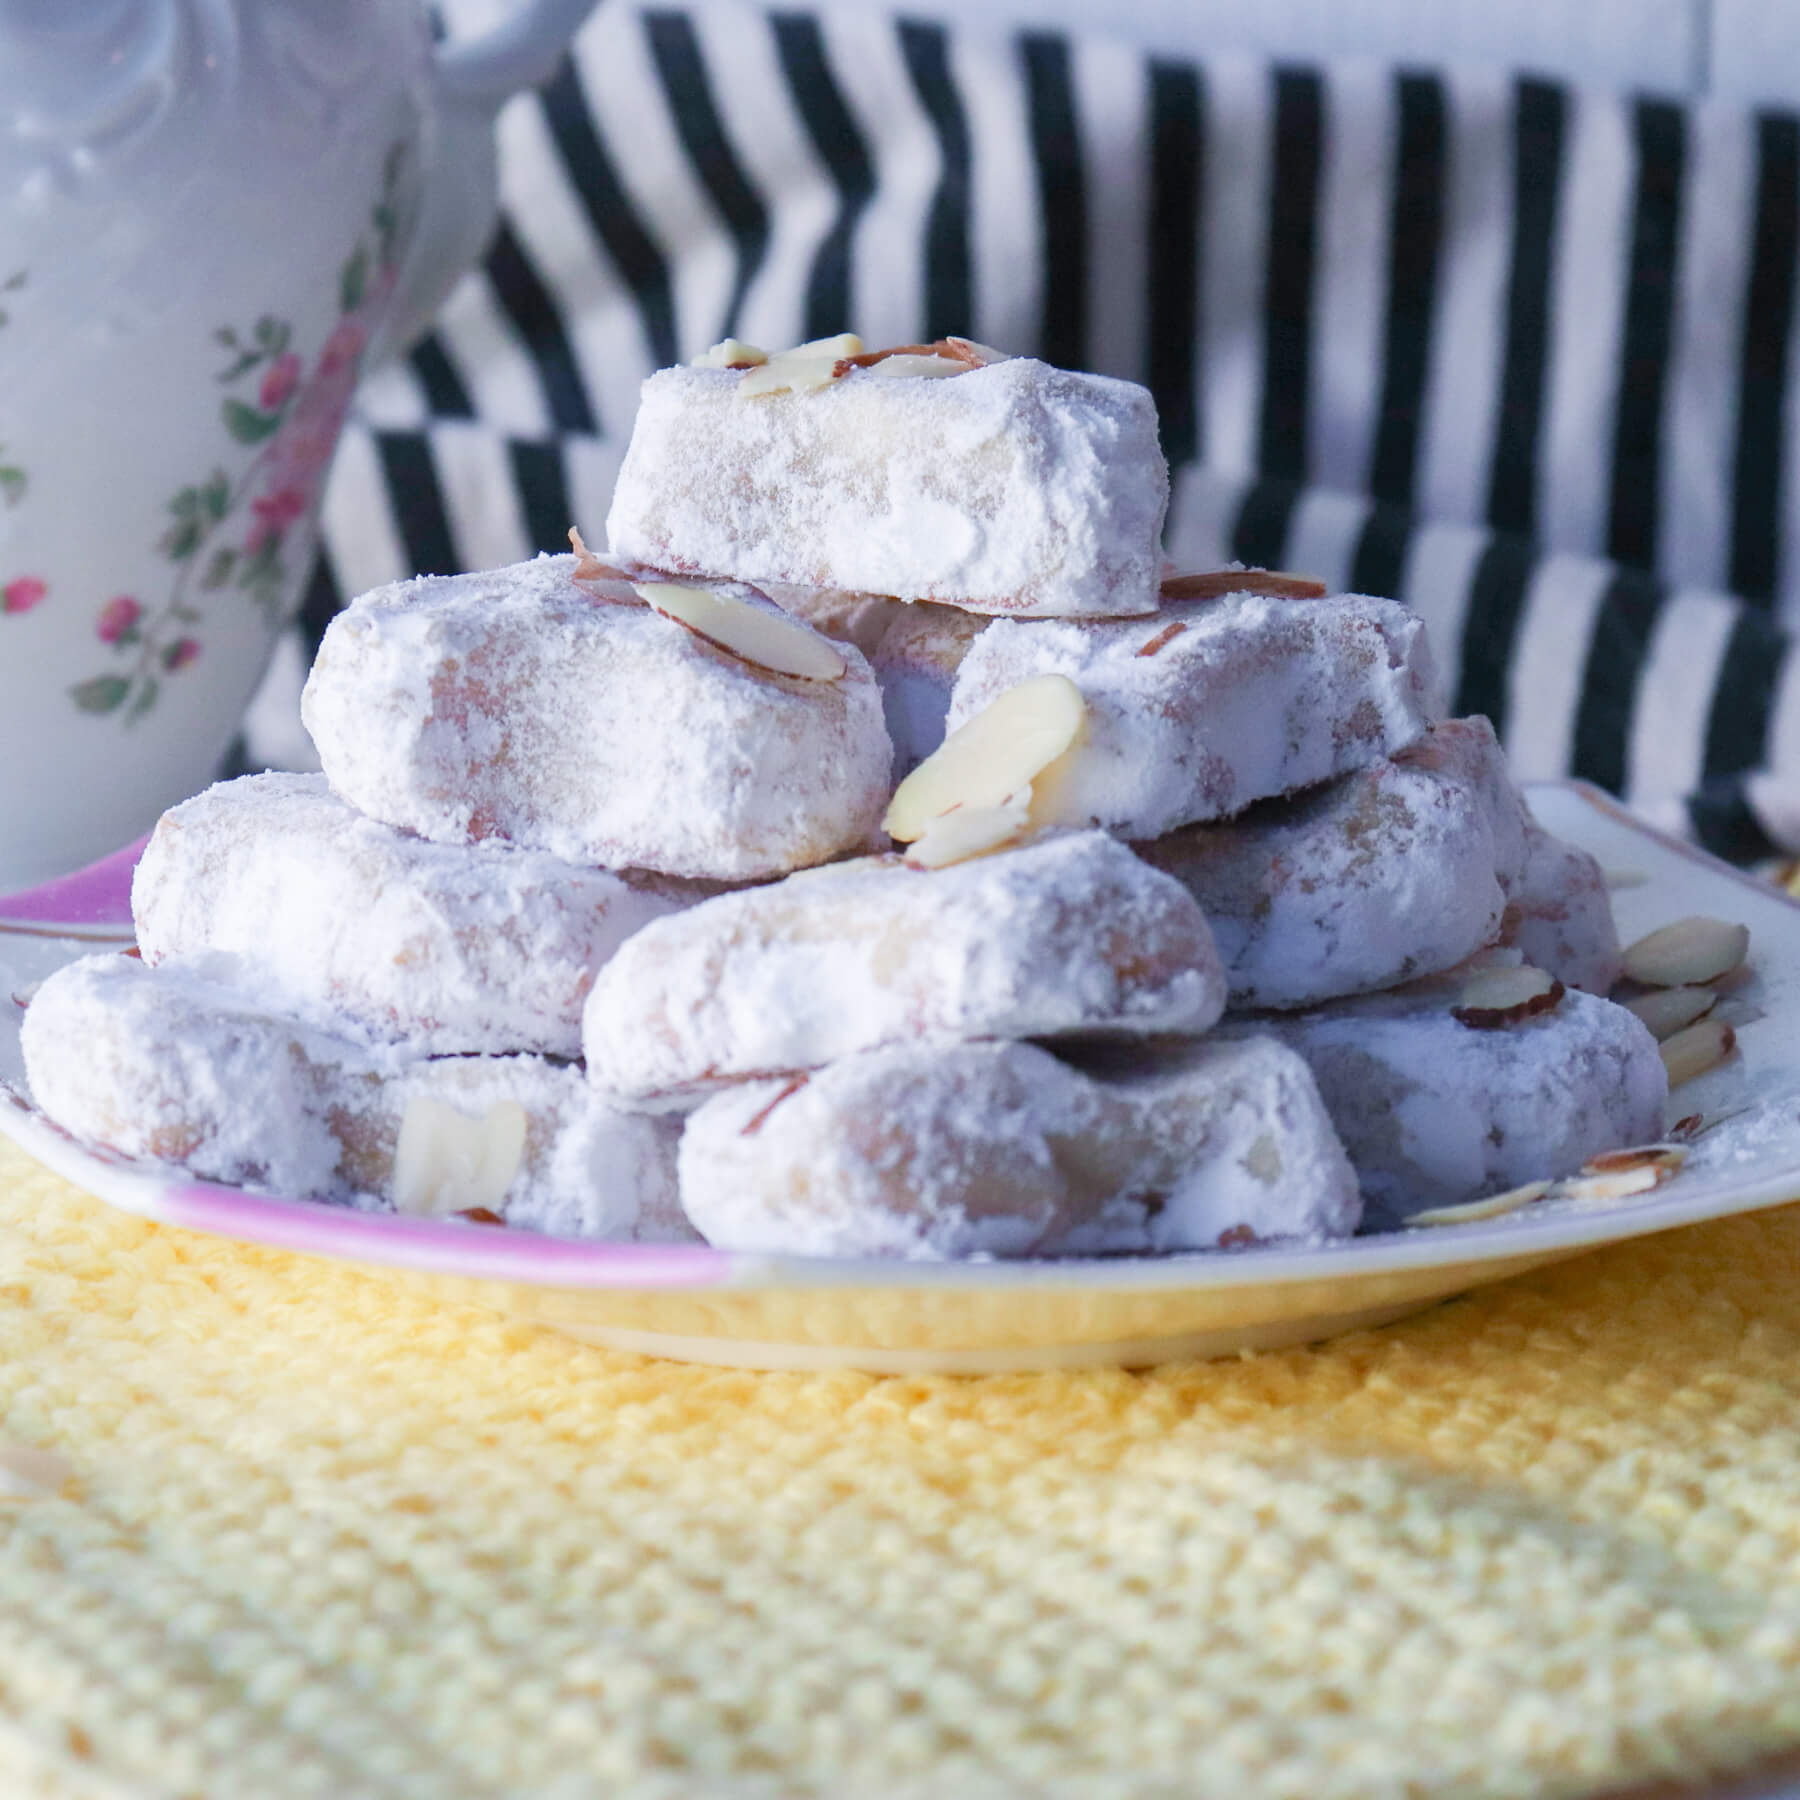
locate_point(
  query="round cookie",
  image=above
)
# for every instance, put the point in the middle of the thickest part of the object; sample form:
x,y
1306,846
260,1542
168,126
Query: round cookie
x,y
522,706
1003,1150
1433,1112
1068,934
357,927
173,1065
1014,487
1212,704
1397,870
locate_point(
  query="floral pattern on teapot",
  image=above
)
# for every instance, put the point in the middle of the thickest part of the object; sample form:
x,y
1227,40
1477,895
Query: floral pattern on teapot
x,y
22,592
226,533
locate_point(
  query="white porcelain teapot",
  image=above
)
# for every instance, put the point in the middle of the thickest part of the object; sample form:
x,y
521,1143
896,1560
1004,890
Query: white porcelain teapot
x,y
213,215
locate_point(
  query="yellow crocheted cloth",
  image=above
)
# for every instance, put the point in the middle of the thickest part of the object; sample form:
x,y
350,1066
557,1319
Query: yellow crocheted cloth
x,y
325,1537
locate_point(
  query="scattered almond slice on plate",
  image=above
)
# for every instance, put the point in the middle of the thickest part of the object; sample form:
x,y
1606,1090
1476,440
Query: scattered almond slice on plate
x,y
1493,1207
759,634
990,758
1666,1011
1618,1174
446,1162
1689,952
1692,1052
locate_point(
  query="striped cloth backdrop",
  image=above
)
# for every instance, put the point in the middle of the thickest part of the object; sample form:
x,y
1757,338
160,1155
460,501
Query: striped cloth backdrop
x,y
1512,351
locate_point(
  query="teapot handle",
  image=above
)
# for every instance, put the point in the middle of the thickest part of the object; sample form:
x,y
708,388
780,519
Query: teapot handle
x,y
461,198
519,54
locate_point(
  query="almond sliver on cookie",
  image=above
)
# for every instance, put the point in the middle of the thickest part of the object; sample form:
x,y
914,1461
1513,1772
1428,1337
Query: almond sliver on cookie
x,y
804,369
764,636
1214,584
991,757
968,831
445,1162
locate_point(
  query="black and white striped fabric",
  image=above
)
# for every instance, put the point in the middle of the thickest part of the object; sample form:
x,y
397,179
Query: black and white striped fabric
x,y
1516,353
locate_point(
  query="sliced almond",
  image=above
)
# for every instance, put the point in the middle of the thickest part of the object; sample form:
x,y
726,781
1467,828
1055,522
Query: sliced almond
x,y
928,368
969,831
1666,1011
1688,1127
794,1084
983,356
30,1474
446,1162
789,374
1615,1184
1167,635
803,370
1496,997
759,633
588,566
992,756
965,353
846,343
730,354
1665,1156
1699,1048
1494,1207
1215,584
1692,950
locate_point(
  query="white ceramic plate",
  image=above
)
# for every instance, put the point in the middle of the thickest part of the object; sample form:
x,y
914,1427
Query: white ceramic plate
x,y
797,1312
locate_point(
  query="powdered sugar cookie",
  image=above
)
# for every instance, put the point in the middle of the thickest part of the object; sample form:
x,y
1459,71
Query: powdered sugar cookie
x,y
1003,1150
859,619
1213,704
357,927
915,662
1009,488
1559,915
520,705
1072,933
171,1064
1397,870
1433,1112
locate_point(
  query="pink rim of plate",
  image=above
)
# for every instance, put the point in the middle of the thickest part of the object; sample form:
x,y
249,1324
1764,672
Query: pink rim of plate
x,y
443,1246
95,898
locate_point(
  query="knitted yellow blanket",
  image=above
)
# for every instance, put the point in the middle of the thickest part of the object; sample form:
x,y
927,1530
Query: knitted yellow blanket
x,y
326,1537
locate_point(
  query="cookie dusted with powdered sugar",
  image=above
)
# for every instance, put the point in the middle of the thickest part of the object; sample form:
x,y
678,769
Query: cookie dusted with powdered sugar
x,y
1213,704
1004,1150
1559,914
360,928
1012,487
1397,870
916,661
171,1064
1433,1112
1072,933
522,706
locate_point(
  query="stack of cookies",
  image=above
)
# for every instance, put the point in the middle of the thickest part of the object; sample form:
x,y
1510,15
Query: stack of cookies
x,y
1204,929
